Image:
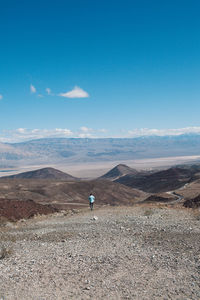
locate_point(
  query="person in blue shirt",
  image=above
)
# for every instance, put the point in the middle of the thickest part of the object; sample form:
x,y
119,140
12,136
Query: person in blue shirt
x,y
91,201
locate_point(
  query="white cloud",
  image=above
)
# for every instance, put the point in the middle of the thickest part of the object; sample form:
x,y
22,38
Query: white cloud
x,y
103,130
35,130
86,129
32,89
65,131
162,132
85,135
24,134
21,130
48,90
85,132
1,97
77,92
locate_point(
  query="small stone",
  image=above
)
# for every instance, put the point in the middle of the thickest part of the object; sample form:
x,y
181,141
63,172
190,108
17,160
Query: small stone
x,y
87,281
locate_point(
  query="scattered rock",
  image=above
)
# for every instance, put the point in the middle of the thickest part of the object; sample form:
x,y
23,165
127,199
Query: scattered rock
x,y
19,209
73,258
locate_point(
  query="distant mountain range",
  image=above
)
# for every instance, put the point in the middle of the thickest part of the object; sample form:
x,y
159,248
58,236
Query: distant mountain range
x,y
76,150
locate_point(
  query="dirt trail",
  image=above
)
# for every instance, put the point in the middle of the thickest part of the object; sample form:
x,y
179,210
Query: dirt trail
x,y
127,253
177,197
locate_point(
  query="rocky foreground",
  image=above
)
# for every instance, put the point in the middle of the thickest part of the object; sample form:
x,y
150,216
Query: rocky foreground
x,y
142,252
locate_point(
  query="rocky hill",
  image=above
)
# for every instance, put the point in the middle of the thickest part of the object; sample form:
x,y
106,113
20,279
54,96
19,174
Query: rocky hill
x,y
161,181
193,203
119,171
68,194
22,209
44,173
158,199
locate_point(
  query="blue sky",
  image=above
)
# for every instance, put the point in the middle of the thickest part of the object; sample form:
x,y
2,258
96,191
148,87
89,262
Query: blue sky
x,y
99,68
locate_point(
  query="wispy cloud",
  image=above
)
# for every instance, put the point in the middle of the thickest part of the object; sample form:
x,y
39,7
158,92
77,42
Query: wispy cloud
x,y
48,90
162,132
86,129
21,130
32,89
103,130
63,131
24,134
77,92
1,97
85,135
86,132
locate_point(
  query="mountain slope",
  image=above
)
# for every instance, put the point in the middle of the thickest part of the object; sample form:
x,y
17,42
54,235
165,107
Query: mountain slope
x,y
161,181
63,194
44,173
68,150
193,203
118,171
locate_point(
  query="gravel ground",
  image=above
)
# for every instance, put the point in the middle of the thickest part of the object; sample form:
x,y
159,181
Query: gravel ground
x,y
124,253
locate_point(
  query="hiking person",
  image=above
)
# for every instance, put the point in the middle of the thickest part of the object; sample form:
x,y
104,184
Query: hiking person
x,y
91,200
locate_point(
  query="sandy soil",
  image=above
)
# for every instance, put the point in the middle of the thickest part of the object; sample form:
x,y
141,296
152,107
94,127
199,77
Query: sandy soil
x,y
124,253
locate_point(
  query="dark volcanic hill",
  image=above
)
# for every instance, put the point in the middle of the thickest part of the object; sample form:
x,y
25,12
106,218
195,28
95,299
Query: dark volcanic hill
x,y
161,181
15,210
65,194
105,192
118,171
157,199
193,203
45,173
